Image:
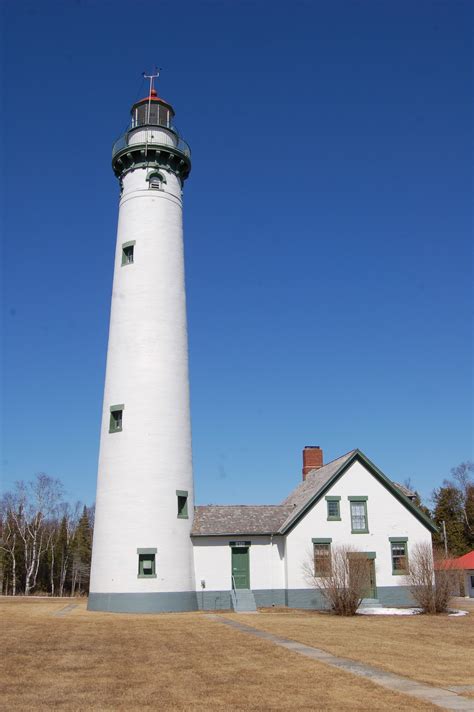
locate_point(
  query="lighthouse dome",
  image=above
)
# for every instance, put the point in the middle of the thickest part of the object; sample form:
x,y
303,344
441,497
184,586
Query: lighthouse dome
x,y
152,110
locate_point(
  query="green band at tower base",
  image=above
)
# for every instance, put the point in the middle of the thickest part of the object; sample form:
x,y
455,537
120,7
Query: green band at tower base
x,y
167,602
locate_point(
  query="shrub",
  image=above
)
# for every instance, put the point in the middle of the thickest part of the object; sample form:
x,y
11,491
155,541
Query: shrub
x,y
431,585
342,581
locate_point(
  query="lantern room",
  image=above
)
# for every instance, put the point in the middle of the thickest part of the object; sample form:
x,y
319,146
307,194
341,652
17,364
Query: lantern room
x,y
152,110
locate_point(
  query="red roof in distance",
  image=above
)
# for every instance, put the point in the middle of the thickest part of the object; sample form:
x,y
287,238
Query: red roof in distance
x,y
462,562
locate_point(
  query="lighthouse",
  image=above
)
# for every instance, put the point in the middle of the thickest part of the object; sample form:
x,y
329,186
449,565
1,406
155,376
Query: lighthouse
x,y
142,557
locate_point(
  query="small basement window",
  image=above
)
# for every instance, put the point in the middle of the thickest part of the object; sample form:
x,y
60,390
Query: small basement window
x,y
116,413
146,563
128,249
182,496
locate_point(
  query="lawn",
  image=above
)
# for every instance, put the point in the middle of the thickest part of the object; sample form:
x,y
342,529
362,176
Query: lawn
x,y
432,649
100,661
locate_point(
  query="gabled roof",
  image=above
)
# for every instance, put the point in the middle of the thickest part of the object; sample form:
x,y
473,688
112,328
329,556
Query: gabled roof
x,y
238,520
319,481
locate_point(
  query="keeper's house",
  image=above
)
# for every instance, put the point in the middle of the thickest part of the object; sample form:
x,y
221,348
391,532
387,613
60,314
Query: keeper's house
x,y
247,556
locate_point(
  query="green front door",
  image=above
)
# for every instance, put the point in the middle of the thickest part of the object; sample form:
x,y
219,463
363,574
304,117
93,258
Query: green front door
x,y
240,566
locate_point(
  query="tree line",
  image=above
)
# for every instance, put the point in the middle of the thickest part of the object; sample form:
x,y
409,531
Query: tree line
x,y
46,544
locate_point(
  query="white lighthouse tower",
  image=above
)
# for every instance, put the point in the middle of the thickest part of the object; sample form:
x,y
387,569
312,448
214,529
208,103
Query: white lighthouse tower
x,y
142,557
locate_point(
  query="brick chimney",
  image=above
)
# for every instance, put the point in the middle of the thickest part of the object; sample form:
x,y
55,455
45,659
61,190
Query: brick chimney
x,y
312,459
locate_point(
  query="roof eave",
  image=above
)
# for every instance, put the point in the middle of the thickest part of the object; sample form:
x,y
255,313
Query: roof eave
x,y
378,474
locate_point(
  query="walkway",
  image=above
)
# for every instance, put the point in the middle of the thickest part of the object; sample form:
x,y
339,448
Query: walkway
x,y
436,695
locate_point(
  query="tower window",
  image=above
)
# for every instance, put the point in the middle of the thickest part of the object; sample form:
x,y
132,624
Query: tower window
x,y
182,496
127,253
146,563
156,182
116,413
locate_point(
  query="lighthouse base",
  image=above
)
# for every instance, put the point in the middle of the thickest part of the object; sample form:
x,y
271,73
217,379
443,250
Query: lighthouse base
x,y
167,602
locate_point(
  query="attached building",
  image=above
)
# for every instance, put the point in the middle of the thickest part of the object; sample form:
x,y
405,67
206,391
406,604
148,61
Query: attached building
x,y
258,553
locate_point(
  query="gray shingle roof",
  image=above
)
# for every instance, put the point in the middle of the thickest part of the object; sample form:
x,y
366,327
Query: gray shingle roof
x,y
240,519
404,490
315,480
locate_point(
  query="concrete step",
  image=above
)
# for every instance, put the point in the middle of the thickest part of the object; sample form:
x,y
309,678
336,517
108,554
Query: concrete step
x,y
243,601
370,603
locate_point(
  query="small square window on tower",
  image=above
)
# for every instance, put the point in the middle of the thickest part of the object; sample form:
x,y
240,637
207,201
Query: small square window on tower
x,y
128,249
182,496
116,413
146,563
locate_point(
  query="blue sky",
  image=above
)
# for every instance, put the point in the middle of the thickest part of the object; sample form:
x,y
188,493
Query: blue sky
x,y
327,231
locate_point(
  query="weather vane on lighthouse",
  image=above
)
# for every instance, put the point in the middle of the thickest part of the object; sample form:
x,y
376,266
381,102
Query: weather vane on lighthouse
x,y
151,77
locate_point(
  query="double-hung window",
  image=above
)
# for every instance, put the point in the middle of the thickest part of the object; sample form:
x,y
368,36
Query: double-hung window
x,y
359,521
322,557
334,508
399,551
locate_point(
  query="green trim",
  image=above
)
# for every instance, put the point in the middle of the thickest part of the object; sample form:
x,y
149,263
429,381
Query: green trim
x,y
182,506
359,500
358,456
333,517
401,541
130,243
369,554
115,423
152,172
322,541
148,556
240,543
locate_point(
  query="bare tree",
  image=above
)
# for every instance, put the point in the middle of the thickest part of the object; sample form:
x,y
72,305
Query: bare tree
x,y
8,541
342,577
430,578
29,508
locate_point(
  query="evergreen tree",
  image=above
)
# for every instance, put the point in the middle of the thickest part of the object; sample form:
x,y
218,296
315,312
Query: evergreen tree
x,y
82,553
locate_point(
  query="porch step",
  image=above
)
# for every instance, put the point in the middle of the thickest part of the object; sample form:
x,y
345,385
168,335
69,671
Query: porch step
x,y
243,601
370,603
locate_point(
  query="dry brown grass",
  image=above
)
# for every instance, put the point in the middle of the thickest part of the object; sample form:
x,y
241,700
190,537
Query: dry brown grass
x,y
99,661
432,649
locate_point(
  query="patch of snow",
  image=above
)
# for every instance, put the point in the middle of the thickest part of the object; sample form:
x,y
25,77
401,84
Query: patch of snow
x,y
381,611
454,612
